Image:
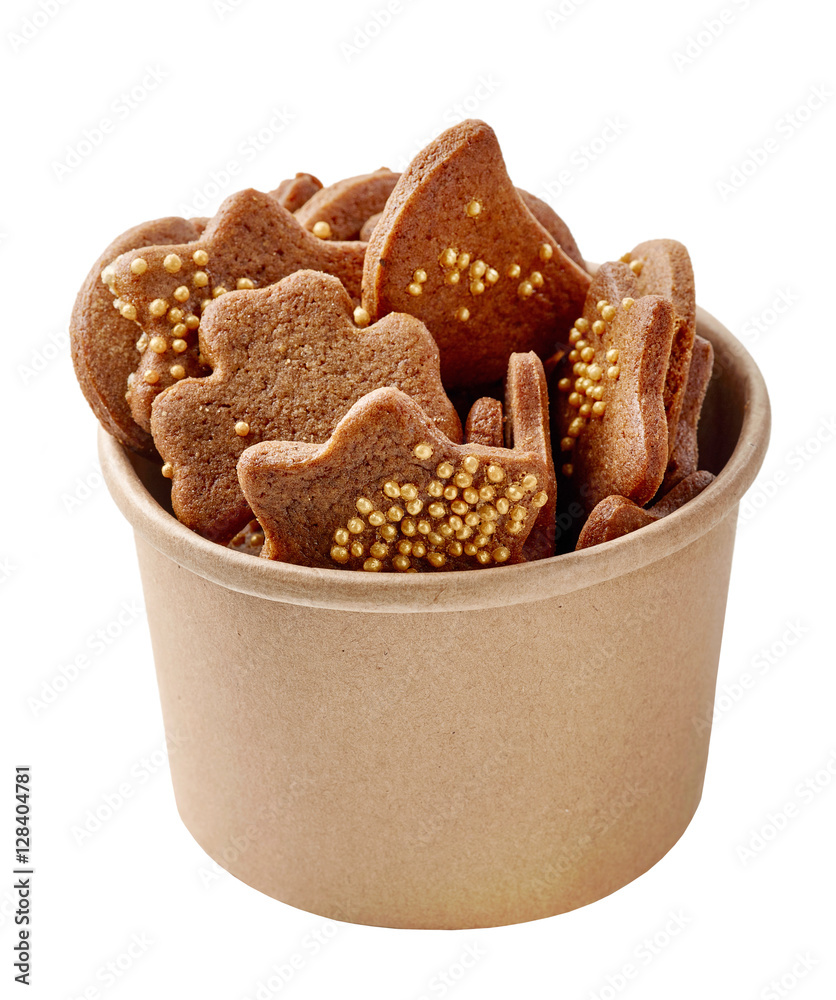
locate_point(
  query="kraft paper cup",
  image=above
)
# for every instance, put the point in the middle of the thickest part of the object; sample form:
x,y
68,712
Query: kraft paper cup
x,y
456,749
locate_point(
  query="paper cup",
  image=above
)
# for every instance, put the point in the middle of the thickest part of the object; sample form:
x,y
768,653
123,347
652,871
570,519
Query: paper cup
x,y
455,749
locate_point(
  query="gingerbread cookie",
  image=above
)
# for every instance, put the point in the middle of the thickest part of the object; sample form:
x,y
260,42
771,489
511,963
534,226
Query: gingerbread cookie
x,y
616,516
389,491
609,408
294,192
553,224
288,362
485,423
684,458
103,341
251,242
367,228
457,247
527,428
542,212
663,267
338,212
249,539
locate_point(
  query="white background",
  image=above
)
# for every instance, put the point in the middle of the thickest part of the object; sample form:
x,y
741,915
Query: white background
x,y
686,105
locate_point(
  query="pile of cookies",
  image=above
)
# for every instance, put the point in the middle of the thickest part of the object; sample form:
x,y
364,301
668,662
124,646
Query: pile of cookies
x,y
411,372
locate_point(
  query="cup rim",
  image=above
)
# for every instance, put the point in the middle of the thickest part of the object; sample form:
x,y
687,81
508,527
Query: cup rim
x,y
460,590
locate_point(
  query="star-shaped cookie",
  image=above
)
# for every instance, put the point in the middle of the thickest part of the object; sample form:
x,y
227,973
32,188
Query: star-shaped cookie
x,y
457,247
288,362
390,491
616,516
609,407
252,242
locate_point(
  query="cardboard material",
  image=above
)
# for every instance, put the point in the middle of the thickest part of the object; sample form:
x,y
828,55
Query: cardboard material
x,y
453,750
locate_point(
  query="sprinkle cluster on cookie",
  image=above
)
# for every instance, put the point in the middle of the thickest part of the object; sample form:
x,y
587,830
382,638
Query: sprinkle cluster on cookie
x,y
303,362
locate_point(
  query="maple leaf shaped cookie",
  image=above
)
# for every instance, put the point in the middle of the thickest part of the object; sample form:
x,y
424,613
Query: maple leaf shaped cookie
x,y
663,267
288,362
103,342
457,247
389,491
616,516
610,410
252,242
339,211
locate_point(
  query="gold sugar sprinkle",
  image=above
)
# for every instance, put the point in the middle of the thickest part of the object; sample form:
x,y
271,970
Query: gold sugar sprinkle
x,y
361,317
322,230
242,428
172,263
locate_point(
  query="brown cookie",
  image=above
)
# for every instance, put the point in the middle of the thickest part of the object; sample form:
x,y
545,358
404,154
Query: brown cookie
x,y
485,423
527,428
684,458
294,192
553,224
288,362
338,212
542,212
616,516
249,539
367,228
103,341
251,242
663,267
389,491
610,407
457,247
